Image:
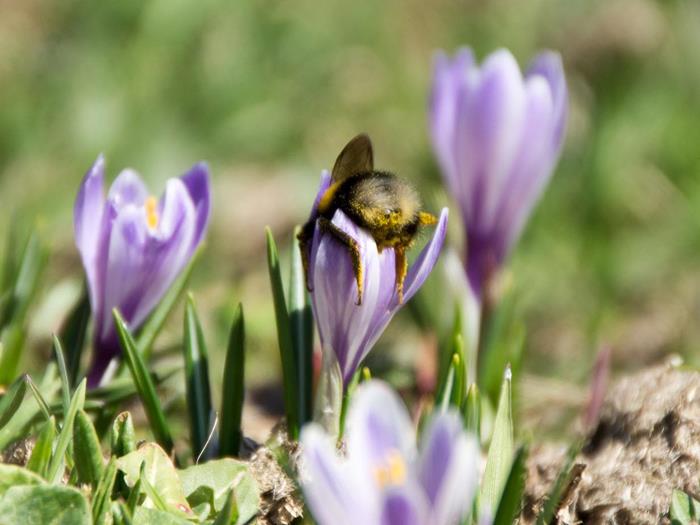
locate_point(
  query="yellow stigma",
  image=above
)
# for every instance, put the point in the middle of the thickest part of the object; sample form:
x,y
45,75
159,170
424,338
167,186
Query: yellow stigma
x,y
392,471
151,206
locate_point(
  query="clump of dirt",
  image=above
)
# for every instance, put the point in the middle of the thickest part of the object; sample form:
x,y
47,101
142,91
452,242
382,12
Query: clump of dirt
x,y
646,443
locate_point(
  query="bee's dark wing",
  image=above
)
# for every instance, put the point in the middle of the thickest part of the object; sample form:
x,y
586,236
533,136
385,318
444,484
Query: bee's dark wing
x,y
356,157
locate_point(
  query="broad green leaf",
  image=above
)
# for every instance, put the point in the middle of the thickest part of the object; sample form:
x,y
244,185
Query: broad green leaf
x,y
159,471
284,339
13,475
55,471
44,505
230,433
222,475
147,516
154,324
11,400
87,451
144,385
73,334
511,499
684,509
301,323
122,437
500,455
197,380
229,514
41,453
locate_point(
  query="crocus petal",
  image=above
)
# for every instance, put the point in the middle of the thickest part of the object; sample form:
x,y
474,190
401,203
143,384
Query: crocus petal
x,y
333,494
497,136
448,469
416,276
342,323
197,182
127,189
404,506
378,426
549,65
88,226
142,264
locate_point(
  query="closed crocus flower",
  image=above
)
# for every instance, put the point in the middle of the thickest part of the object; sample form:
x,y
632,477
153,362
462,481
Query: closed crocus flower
x,y
385,478
133,246
348,330
497,135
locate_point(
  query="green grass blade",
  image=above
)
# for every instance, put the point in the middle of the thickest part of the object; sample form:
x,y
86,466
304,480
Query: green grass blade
x,y
43,405
150,329
229,513
284,338
471,411
41,453
31,266
12,339
302,332
566,474
230,433
62,373
12,400
511,500
500,455
144,385
122,437
73,334
197,379
102,498
121,514
55,471
86,450
448,386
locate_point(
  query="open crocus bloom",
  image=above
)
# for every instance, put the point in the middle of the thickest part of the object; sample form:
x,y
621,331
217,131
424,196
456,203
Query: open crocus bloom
x,y
348,330
497,136
384,478
133,246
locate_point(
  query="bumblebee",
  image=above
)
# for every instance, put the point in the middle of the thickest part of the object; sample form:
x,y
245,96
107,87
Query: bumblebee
x,y
383,204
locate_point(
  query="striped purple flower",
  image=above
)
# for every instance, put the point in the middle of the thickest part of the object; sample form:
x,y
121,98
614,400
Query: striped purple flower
x,y
497,135
348,330
385,478
133,246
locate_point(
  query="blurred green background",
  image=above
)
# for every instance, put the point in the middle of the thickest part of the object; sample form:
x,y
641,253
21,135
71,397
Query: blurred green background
x,y
269,91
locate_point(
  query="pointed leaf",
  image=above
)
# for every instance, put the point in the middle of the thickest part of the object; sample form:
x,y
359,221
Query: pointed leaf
x,y
500,455
86,448
230,433
41,453
284,338
55,471
102,498
144,385
12,400
511,500
122,437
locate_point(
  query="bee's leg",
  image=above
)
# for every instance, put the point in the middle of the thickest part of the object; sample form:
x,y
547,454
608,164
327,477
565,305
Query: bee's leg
x,y
305,236
339,235
401,270
426,219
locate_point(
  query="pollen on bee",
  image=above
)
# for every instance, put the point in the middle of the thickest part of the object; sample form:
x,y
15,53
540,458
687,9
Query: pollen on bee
x,y
392,471
151,206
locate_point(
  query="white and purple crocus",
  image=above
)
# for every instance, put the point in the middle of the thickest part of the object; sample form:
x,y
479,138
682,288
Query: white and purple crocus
x,y
133,246
348,331
385,478
497,135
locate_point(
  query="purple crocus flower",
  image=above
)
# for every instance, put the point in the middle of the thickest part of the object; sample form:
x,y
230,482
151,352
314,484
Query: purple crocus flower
x,y
133,246
348,330
385,479
497,136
